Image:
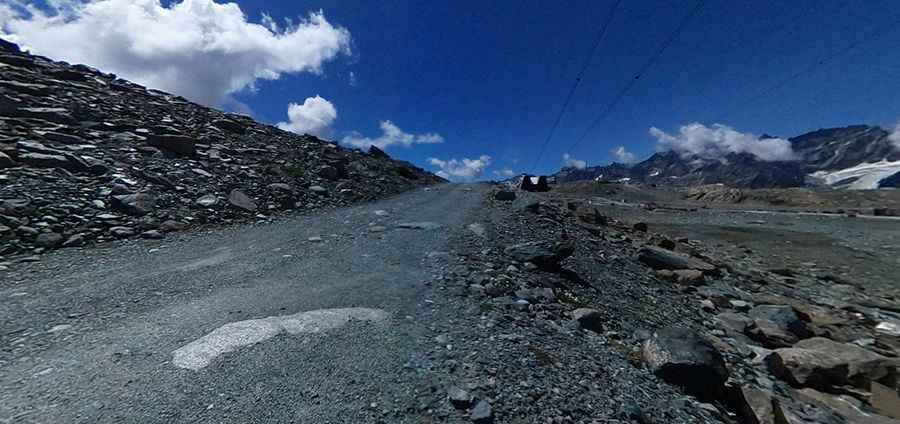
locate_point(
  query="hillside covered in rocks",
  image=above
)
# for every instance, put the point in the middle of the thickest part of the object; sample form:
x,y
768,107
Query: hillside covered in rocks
x,y
87,157
749,344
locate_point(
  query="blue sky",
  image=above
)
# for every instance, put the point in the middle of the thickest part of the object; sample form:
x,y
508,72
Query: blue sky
x,y
490,77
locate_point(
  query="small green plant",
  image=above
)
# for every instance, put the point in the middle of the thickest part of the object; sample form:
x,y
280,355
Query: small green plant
x,y
567,298
294,171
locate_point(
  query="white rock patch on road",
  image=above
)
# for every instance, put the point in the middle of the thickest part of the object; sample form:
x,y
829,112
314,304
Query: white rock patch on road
x,y
229,337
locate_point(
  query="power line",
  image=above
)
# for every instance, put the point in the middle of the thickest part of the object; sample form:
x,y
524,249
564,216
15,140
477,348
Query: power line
x,y
577,81
816,65
643,69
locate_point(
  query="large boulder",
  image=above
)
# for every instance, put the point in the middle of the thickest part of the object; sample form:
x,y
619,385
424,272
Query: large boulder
x,y
658,258
241,201
851,410
777,326
590,319
590,215
177,144
138,204
770,334
540,254
684,358
754,406
826,365
65,161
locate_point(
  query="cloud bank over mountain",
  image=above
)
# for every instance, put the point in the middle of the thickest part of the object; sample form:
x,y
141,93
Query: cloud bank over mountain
x,y
718,140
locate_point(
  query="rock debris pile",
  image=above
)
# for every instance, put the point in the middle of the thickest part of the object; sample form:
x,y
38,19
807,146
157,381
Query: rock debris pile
x,y
86,157
607,321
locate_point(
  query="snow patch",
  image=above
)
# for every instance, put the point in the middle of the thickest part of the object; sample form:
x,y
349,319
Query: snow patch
x,y
229,337
867,175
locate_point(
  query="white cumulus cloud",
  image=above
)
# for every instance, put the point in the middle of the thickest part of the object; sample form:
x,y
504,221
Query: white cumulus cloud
x,y
571,162
504,173
391,135
718,140
622,155
894,137
461,170
200,49
314,117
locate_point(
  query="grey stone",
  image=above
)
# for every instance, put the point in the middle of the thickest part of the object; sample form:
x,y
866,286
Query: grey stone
x,y
152,234
172,225
318,189
207,200
739,305
63,138
590,319
138,204
459,397
43,160
658,258
827,365
544,256
27,231
777,326
241,201
280,187
684,358
74,241
482,413
735,322
121,231
754,406
48,240
770,334
177,144
427,225
688,277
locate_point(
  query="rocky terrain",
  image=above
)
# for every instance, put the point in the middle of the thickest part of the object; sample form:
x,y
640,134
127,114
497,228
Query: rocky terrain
x,y
585,304
718,196
853,157
86,157
751,344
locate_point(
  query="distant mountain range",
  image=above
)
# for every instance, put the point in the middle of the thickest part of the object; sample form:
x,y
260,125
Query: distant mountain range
x,y
854,157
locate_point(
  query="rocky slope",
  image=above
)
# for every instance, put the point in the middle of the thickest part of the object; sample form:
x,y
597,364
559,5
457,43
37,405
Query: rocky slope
x,y
87,157
854,157
748,344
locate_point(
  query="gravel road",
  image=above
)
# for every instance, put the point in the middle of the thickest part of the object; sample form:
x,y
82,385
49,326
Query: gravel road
x,y
247,324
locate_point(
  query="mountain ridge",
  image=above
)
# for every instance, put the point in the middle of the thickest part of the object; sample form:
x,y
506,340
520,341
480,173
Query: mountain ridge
x,y
854,157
